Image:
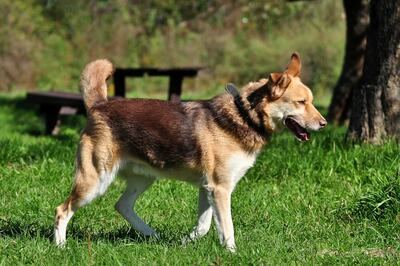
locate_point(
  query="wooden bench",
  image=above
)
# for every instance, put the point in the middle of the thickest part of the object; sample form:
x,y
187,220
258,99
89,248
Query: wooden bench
x,y
54,103
176,76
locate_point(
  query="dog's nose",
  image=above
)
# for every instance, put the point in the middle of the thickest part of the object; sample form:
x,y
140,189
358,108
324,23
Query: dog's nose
x,y
323,123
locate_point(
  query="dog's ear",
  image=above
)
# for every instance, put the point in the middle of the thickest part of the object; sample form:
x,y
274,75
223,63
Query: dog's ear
x,y
294,66
277,85
273,89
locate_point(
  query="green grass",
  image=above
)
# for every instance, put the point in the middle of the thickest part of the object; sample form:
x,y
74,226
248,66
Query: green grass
x,y
320,202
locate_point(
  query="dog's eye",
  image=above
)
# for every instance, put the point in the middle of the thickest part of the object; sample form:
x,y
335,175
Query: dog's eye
x,y
302,102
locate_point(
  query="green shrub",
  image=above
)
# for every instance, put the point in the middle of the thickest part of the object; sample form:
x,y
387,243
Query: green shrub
x,y
380,202
237,41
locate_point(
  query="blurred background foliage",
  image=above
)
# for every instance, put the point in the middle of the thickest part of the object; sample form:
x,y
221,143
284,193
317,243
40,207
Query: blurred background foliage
x,y
44,44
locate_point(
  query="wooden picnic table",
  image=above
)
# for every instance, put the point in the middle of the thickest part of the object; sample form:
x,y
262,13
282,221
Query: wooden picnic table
x,y
54,103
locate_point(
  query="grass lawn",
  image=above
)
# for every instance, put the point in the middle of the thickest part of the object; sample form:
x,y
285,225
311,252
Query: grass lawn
x,y
320,202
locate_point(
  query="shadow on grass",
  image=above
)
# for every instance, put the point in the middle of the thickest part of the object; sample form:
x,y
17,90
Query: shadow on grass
x,y
18,230
26,118
23,114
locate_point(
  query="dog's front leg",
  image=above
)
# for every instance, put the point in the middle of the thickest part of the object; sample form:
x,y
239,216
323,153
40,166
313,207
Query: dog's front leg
x,y
204,218
220,200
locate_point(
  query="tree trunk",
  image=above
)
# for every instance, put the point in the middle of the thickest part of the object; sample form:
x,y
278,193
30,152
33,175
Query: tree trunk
x,y
376,103
357,20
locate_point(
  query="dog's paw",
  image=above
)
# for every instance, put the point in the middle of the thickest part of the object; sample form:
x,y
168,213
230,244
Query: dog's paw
x,y
231,248
186,240
61,245
193,236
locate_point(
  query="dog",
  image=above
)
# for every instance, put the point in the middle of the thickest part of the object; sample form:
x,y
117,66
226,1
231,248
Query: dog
x,y
210,144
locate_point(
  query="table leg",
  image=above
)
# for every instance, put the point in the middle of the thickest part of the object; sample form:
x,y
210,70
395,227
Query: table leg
x,y
51,118
175,88
119,84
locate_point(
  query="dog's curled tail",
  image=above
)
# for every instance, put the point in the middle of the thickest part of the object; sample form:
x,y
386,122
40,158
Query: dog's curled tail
x,y
93,84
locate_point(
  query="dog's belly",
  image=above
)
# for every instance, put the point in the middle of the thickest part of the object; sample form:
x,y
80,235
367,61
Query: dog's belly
x,y
139,168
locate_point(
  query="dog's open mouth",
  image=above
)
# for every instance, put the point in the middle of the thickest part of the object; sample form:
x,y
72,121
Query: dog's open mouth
x,y
299,131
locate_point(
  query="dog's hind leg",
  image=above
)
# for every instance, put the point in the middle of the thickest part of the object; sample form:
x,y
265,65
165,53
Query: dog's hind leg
x,y
92,178
204,217
64,213
136,185
85,189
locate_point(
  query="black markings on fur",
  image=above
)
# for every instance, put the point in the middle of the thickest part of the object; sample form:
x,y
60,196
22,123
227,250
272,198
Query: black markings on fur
x,y
258,95
244,113
232,90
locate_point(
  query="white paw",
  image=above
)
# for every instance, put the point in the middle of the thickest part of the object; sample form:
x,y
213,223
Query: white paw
x,y
193,236
186,240
59,239
60,243
231,248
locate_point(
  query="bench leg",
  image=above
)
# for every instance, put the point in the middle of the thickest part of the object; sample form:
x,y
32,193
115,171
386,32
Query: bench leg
x,y
51,118
175,88
119,84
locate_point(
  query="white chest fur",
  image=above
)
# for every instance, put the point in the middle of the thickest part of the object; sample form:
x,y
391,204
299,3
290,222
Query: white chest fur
x,y
238,164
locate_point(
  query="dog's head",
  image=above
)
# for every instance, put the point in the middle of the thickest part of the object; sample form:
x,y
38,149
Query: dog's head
x,y
289,102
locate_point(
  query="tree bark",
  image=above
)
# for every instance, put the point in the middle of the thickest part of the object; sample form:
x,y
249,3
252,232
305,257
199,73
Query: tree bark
x,y
357,20
376,103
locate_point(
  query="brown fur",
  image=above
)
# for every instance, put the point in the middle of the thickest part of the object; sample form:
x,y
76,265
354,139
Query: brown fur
x,y
93,86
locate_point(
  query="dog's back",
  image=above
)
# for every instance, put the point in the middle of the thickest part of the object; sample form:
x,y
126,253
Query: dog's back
x,y
159,132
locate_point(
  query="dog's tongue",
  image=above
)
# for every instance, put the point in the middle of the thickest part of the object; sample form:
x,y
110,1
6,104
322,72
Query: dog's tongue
x,y
300,132
304,136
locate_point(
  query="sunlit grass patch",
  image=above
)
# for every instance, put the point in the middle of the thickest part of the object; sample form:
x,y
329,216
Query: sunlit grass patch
x,y
320,202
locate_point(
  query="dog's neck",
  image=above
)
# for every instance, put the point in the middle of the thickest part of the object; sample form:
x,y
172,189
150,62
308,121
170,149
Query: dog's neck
x,y
235,114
